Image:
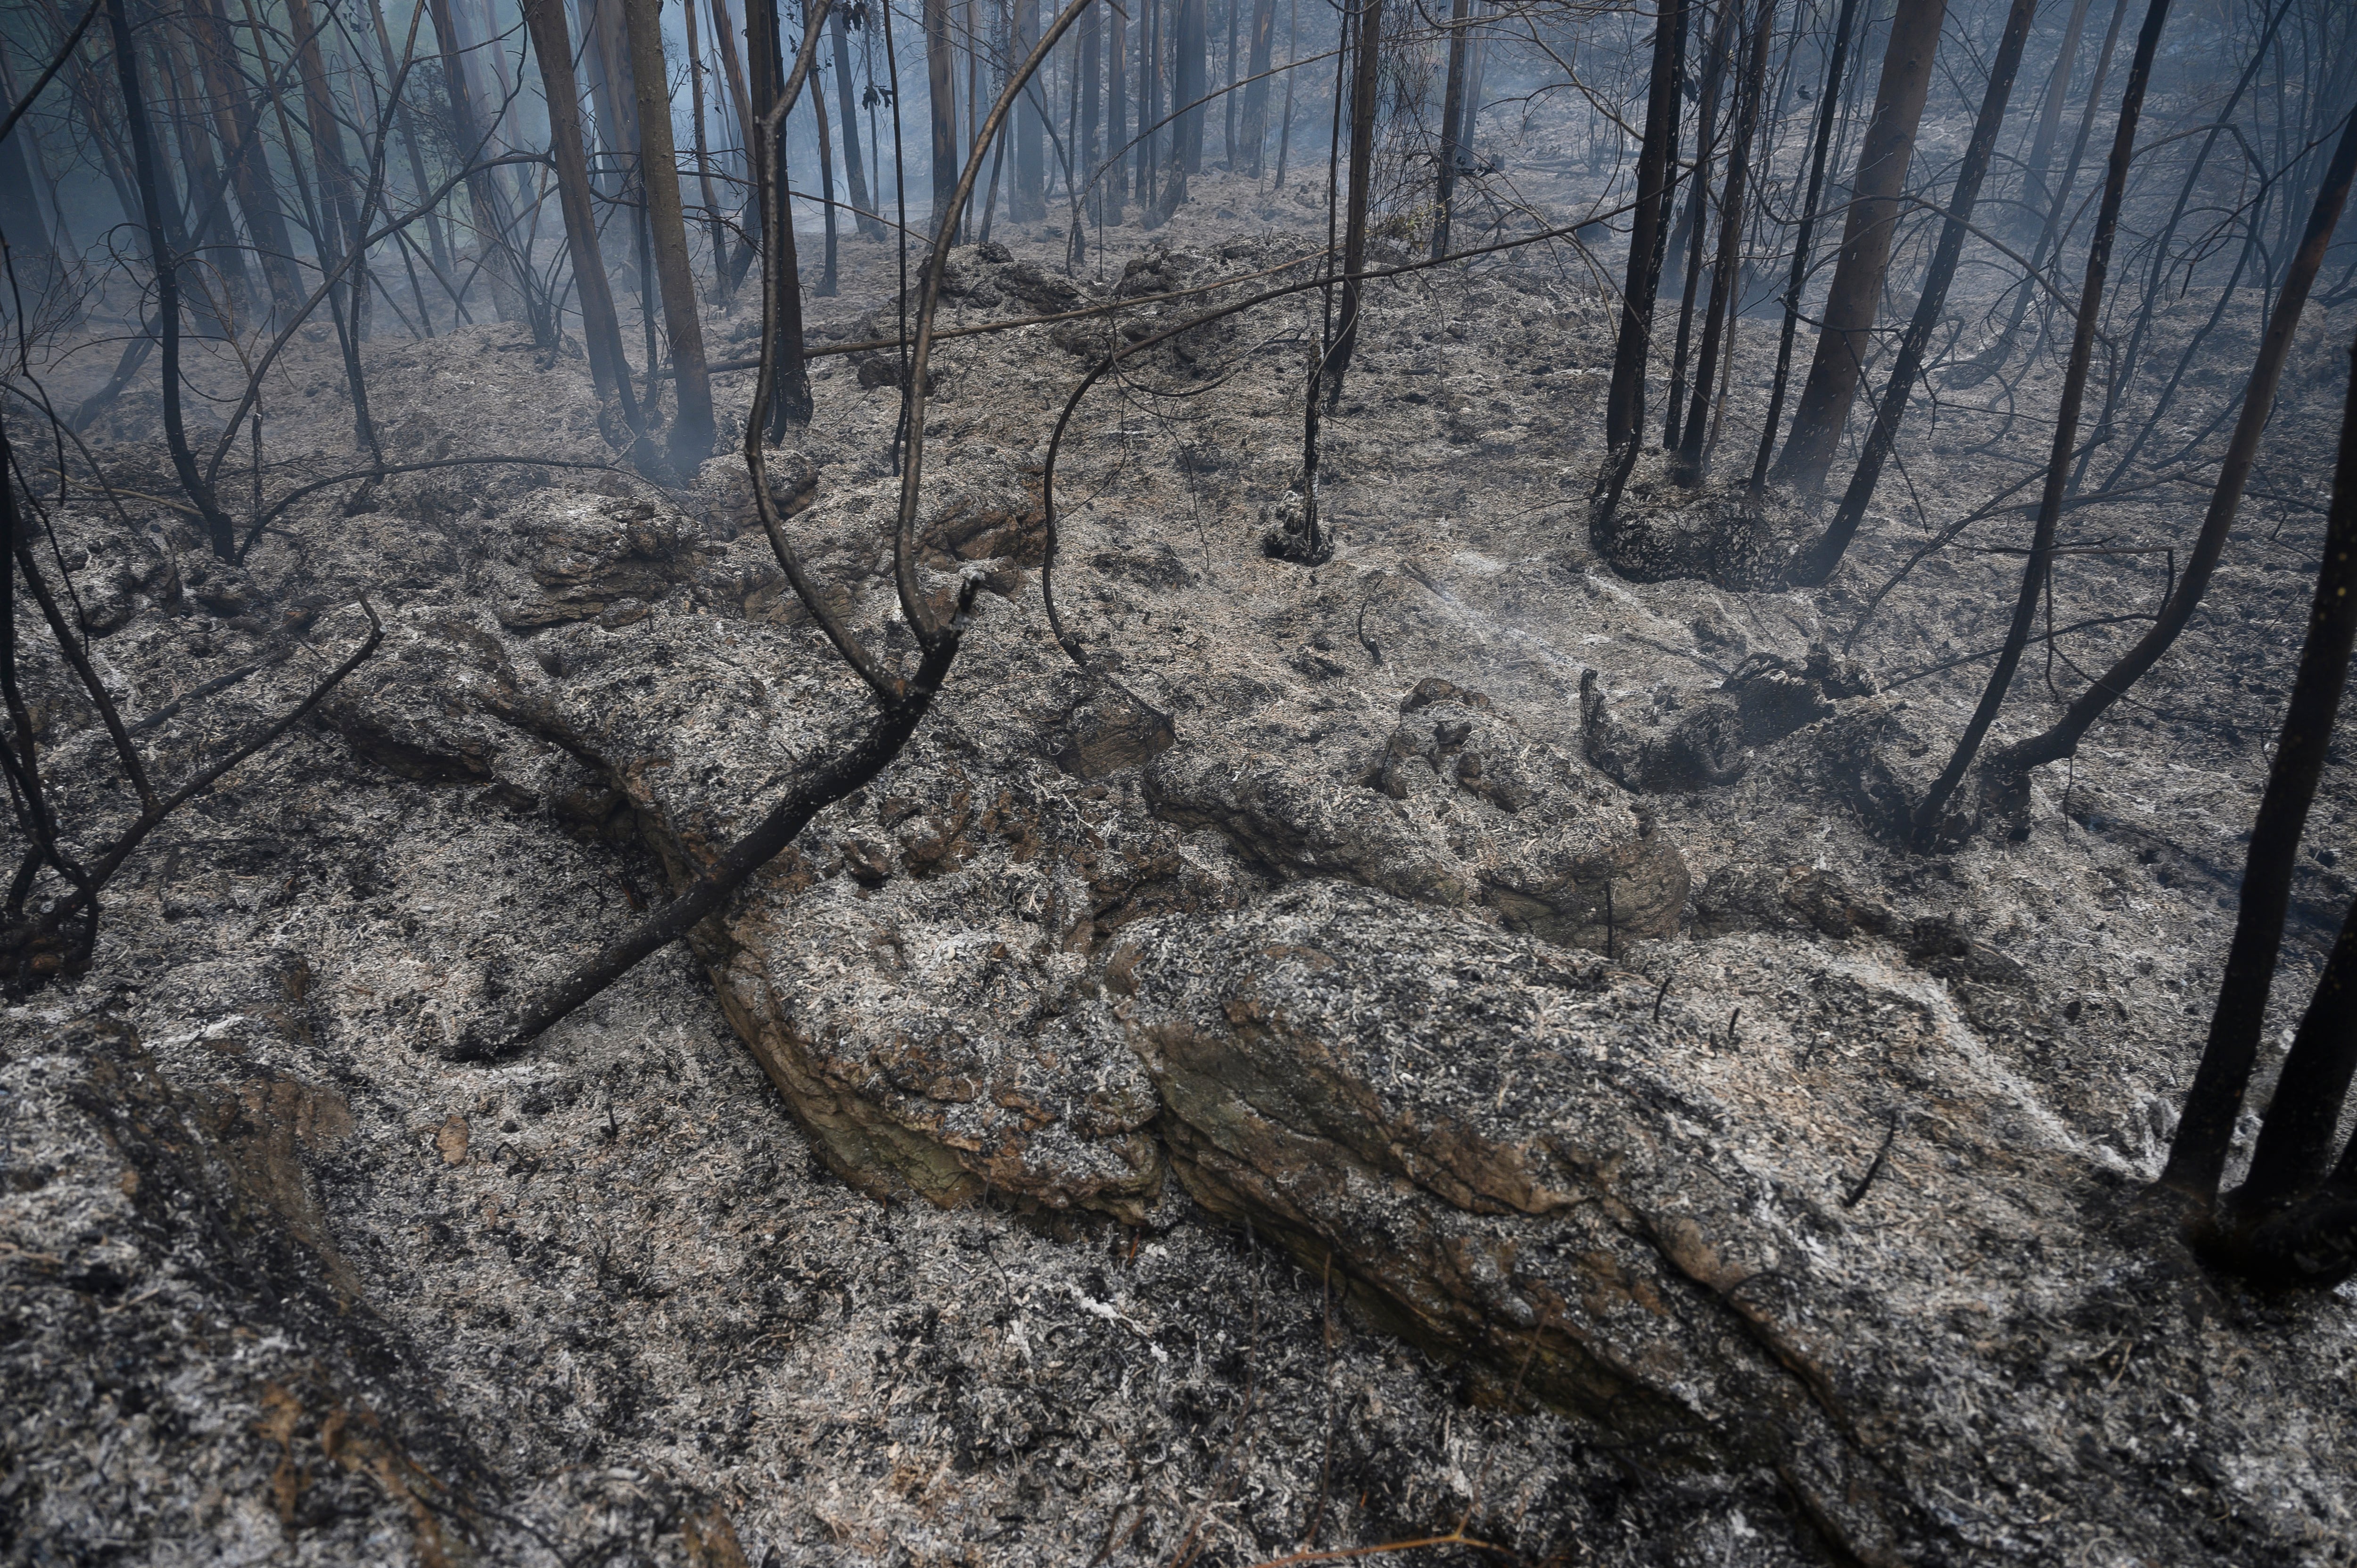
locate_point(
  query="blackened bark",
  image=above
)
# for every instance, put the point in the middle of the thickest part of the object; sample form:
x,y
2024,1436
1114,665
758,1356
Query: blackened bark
x,y
1856,295
601,329
1624,407
1931,814
2063,737
2197,1157
1818,562
1365,82
219,533
692,430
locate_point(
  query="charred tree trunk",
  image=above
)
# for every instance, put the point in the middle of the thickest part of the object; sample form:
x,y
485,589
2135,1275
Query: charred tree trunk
x,y
1817,563
692,430
714,226
1624,407
601,329
2050,233
1367,77
1284,125
1026,197
791,404
1087,157
741,98
1116,173
30,245
1694,228
1452,108
1931,815
491,222
2036,201
1828,111
406,121
1686,468
2061,739
219,533
828,281
1852,303
940,83
1189,83
2265,1232
341,231
1259,51
864,201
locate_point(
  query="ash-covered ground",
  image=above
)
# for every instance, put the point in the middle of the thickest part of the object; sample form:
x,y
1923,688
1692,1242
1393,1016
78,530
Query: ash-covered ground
x,y
280,1281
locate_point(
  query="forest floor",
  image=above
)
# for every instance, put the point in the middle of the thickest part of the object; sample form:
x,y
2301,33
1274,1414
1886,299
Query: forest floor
x,y
284,1282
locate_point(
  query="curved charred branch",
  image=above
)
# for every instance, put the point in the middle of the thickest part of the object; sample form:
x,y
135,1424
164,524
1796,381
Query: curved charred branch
x,y
1817,563
904,565
2197,1157
2062,738
1931,814
855,766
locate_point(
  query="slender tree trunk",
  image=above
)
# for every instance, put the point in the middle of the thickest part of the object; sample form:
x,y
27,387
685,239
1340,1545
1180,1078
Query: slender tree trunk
x,y
941,83
1149,109
1476,65
407,122
1624,407
1259,51
492,222
791,404
1284,129
2205,1132
1931,815
1365,81
1817,563
29,244
864,202
1188,82
2062,738
1452,109
692,431
2129,362
714,226
218,245
1026,200
827,283
1829,112
1855,296
336,185
1693,229
724,32
1115,186
2050,234
219,531
1228,97
2036,201
1087,157
1688,467
601,329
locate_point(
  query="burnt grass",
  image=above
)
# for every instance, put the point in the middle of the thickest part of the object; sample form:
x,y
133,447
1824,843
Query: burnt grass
x,y
281,1281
